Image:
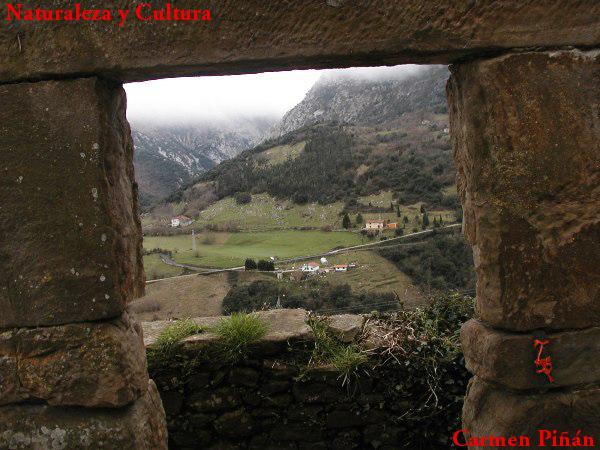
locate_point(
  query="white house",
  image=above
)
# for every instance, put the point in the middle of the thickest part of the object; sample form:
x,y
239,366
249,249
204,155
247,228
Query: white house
x,y
311,267
376,224
180,221
341,267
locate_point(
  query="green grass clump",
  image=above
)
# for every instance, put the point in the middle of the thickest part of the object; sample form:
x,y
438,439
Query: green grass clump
x,y
345,358
237,332
170,337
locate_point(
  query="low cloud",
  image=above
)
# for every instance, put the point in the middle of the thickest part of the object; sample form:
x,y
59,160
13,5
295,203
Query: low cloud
x,y
187,101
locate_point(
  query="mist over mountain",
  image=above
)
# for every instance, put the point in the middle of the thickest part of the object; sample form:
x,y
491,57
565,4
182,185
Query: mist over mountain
x,y
168,156
368,97
351,136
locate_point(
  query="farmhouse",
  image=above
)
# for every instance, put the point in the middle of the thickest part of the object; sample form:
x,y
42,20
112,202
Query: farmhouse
x,y
376,224
311,267
341,268
180,221
392,225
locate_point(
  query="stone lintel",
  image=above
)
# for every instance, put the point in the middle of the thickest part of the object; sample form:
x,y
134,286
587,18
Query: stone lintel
x,y
247,36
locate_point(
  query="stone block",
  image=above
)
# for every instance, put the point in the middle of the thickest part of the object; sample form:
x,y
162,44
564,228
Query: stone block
x,y
346,327
99,364
256,35
508,358
139,426
71,239
284,327
527,147
491,411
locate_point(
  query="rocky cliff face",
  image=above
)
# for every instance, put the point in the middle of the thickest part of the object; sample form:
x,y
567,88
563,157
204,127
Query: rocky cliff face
x,y
366,101
168,156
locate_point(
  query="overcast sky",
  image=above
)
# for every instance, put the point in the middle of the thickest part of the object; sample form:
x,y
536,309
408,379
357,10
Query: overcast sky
x,y
189,100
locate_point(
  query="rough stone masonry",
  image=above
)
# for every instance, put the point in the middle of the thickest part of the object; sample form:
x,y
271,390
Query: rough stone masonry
x,y
524,99
70,261
526,131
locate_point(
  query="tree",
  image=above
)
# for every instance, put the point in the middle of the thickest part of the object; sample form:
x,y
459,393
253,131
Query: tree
x,y
391,206
346,223
406,219
250,264
398,213
359,219
266,266
422,209
242,198
425,219
399,231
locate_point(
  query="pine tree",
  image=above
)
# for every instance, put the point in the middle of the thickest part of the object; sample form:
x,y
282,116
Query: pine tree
x,y
346,223
425,219
398,214
359,219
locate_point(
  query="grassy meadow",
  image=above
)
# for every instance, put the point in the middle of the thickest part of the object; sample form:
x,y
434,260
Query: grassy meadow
x,y
267,213
221,250
156,269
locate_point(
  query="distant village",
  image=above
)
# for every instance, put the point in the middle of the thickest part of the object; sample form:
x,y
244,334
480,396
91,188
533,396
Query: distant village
x,y
370,224
324,267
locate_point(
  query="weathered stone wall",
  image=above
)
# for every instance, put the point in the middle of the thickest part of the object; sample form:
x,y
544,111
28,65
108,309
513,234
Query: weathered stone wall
x,y
271,399
257,35
526,131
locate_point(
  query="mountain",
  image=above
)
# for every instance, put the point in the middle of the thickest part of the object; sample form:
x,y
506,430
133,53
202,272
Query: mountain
x,y
350,137
353,99
167,156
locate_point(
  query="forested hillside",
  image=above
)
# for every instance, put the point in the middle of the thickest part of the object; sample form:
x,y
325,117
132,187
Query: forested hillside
x,y
405,148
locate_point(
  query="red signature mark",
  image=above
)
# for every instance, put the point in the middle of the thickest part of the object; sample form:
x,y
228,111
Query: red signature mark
x,y
544,364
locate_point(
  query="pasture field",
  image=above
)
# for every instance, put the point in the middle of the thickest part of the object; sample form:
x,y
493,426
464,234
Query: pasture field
x,y
194,296
155,268
266,213
281,153
221,250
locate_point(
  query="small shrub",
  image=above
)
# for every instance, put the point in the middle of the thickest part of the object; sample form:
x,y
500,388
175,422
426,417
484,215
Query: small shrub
x,y
266,266
250,264
237,332
243,198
